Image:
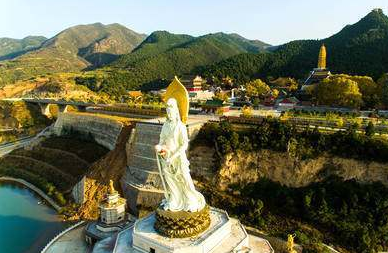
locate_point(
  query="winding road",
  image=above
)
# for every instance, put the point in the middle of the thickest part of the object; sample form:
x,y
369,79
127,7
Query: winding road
x,y
9,147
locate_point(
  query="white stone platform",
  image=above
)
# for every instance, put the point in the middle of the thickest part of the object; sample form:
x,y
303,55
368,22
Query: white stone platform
x,y
224,235
146,239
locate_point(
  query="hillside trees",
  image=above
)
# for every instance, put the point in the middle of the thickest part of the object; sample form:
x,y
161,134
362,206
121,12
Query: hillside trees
x,y
370,90
357,49
383,82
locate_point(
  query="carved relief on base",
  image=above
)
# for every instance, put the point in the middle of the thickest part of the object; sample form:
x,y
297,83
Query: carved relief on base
x,y
182,224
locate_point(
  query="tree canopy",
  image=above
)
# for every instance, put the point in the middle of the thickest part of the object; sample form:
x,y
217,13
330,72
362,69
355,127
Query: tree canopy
x,y
257,88
338,91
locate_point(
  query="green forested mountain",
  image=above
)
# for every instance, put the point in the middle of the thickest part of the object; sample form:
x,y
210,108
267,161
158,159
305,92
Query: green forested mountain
x,y
10,48
163,55
156,43
165,47
73,49
361,49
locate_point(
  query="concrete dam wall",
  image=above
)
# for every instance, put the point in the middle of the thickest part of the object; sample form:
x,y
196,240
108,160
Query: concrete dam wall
x,y
104,131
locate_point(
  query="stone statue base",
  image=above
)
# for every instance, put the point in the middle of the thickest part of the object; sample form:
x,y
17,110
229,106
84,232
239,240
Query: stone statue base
x,y
224,235
182,224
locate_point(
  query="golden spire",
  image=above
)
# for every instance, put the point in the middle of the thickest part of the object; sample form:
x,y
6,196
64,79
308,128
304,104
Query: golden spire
x,y
322,57
111,187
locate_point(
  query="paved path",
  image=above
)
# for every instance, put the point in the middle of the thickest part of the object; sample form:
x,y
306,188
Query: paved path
x,y
71,240
9,147
35,189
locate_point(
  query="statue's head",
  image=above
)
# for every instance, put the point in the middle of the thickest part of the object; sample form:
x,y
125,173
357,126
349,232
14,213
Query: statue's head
x,y
172,110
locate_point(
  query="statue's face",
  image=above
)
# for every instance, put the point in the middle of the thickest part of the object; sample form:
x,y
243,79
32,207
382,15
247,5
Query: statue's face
x,y
172,109
169,112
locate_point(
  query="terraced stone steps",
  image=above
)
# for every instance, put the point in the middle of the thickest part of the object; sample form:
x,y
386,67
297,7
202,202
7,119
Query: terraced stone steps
x,y
67,162
142,169
80,148
60,179
62,161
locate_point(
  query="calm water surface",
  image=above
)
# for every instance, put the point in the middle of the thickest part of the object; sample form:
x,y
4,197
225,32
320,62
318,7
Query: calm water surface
x,y
25,225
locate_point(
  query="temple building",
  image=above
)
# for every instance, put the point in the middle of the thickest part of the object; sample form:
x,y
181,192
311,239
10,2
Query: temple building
x,y
194,86
192,83
113,217
319,73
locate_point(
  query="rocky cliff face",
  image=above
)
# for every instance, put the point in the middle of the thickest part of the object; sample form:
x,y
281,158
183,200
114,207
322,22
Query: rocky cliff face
x,y
242,168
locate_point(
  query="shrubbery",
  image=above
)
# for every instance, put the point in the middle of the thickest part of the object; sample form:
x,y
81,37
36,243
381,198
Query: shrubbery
x,y
356,215
87,148
135,109
282,136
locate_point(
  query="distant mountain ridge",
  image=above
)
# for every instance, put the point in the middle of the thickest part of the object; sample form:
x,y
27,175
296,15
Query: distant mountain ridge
x,y
358,49
73,49
11,48
130,59
89,41
146,58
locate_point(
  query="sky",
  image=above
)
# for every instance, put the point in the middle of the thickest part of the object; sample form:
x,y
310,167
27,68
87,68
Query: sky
x,y
272,21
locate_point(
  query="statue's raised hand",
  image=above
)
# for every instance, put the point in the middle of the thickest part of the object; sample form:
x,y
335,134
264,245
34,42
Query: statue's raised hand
x,y
161,150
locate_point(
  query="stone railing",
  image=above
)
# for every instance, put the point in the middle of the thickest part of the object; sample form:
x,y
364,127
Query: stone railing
x,y
61,234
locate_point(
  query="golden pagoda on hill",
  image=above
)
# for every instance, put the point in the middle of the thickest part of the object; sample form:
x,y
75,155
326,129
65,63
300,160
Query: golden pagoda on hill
x,y
319,73
322,57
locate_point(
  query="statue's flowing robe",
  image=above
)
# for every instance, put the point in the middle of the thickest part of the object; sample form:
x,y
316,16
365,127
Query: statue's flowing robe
x,y
181,193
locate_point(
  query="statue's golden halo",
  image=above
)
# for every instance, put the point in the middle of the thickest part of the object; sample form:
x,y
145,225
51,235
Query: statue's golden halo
x,y
177,91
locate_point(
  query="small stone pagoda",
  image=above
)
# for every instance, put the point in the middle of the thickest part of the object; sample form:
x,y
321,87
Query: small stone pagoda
x,y
112,209
113,217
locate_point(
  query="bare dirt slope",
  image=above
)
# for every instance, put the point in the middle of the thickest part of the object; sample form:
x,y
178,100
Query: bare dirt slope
x,y
111,166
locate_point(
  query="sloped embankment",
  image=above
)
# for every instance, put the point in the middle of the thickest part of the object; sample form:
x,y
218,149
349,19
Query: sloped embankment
x,y
111,166
55,165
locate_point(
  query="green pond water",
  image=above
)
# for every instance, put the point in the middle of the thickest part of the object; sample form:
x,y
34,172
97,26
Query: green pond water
x,y
25,224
